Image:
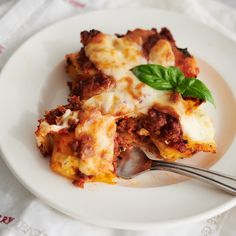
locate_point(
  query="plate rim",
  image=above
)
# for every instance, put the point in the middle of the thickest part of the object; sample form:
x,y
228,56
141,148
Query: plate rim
x,y
121,224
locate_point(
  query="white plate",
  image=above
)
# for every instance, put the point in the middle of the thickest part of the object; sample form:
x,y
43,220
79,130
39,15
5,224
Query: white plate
x,y
34,80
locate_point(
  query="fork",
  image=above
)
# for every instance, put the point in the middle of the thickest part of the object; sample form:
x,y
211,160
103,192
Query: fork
x,y
135,162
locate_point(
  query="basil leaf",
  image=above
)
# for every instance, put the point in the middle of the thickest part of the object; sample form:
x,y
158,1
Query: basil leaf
x,y
176,77
156,78
196,88
171,78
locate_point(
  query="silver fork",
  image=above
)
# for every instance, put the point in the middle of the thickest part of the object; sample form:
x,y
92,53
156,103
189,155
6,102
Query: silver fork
x,y
136,162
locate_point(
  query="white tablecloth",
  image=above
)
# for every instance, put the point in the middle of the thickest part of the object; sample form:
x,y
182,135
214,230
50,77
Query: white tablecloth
x,y
23,214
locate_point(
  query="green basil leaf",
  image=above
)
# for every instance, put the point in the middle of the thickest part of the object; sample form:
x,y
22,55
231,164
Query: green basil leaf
x,y
196,88
156,77
171,78
176,77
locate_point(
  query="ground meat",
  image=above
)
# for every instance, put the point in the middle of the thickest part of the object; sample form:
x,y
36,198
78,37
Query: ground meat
x,y
83,147
158,124
127,125
154,120
116,147
126,140
172,130
84,62
72,124
51,116
166,128
130,133
74,103
79,67
92,86
88,80
86,36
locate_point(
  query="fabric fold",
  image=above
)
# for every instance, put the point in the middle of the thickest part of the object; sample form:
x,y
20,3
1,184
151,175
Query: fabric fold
x,y
18,21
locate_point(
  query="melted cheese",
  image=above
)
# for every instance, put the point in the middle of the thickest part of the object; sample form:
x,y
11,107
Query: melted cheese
x,y
161,53
61,123
101,129
115,57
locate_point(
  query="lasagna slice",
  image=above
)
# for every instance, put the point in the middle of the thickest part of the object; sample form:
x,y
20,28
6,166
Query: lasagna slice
x,y
110,110
80,143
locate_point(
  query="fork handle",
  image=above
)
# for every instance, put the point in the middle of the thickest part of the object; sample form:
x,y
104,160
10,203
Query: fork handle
x,y
222,181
